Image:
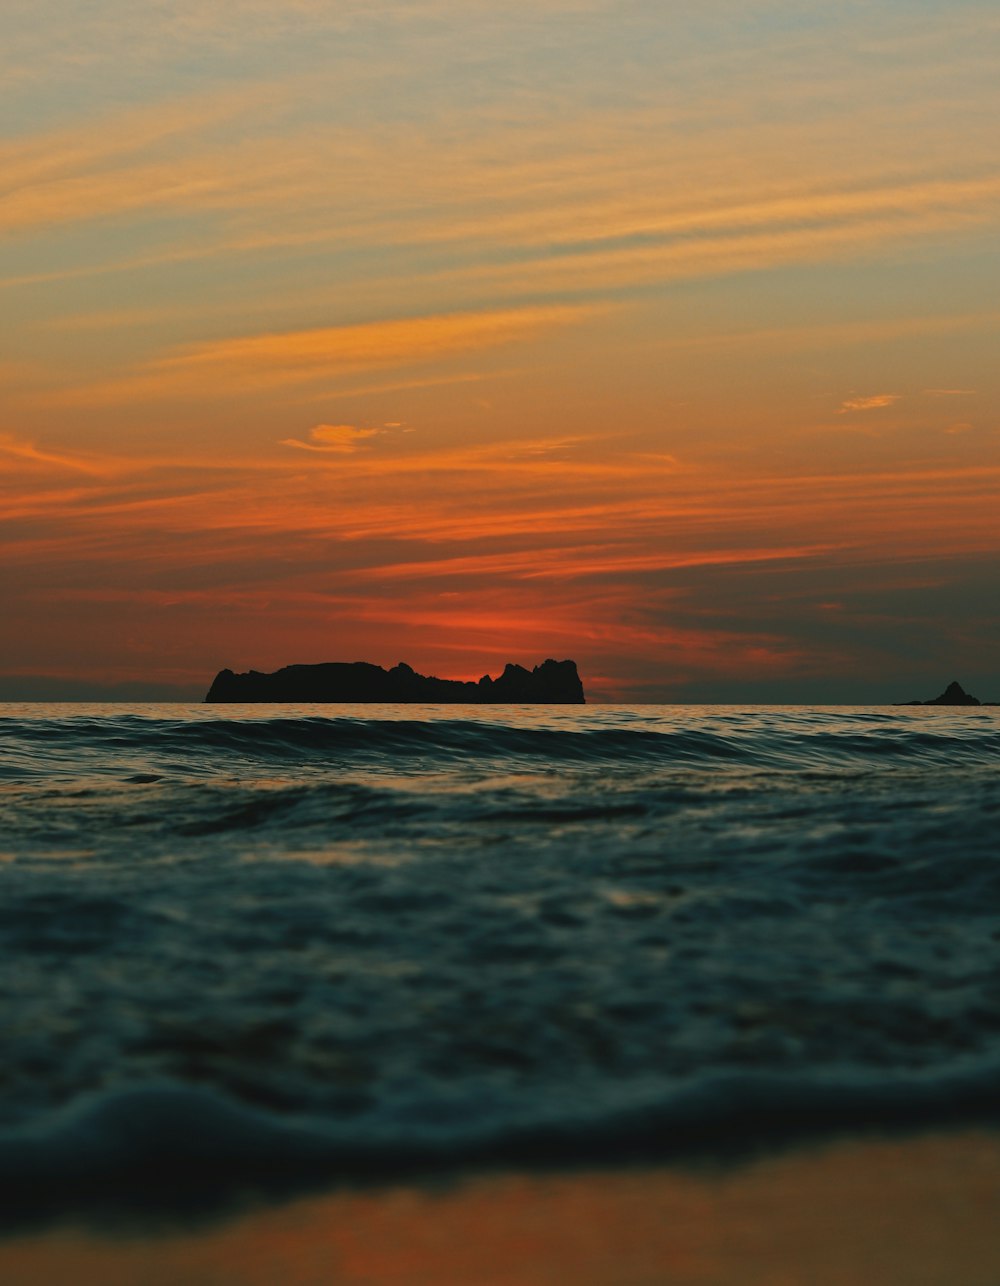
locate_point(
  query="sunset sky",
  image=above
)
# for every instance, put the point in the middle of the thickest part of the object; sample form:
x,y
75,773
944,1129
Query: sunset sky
x,y
663,336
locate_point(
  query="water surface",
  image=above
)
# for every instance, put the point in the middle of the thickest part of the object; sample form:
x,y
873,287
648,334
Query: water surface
x,y
270,946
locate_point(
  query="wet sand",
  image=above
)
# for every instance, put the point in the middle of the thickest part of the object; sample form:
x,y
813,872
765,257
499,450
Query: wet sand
x,y
913,1212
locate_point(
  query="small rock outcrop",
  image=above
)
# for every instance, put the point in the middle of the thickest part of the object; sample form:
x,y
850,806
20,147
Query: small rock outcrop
x,y
551,683
953,695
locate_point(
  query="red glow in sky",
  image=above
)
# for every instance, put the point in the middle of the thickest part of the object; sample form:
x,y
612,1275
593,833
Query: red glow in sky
x,y
661,340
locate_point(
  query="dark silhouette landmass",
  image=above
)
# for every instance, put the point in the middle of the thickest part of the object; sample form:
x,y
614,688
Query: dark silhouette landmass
x,y
551,683
953,695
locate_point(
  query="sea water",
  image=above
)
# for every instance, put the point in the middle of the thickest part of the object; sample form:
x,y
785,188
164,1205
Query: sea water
x,y
247,949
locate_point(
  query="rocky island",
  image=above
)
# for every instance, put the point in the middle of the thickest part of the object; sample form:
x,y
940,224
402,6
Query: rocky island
x,y
953,695
551,683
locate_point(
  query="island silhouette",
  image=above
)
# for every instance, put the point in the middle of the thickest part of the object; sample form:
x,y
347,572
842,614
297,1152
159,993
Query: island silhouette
x,y
551,683
953,695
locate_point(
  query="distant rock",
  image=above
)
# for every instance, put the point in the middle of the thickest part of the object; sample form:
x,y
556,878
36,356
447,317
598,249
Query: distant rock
x,y
953,695
551,683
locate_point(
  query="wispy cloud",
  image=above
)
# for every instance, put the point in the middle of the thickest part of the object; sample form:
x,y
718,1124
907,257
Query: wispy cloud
x,y
27,452
825,334
874,402
503,544
246,365
268,168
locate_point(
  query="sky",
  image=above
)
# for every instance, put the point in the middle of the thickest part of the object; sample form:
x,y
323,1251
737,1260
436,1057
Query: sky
x,y
660,336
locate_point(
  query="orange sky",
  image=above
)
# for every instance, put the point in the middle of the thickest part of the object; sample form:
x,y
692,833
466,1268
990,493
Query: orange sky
x,y
661,339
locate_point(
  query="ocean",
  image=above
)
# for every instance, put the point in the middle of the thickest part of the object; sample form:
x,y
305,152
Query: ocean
x,y
253,950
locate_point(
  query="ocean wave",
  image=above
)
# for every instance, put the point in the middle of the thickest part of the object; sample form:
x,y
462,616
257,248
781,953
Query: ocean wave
x,y
281,948
790,741
175,1151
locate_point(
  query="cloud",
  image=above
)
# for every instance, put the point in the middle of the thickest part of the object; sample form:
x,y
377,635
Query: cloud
x,y
567,563
249,364
342,439
499,546
873,403
864,331
27,452
152,156
585,223
636,185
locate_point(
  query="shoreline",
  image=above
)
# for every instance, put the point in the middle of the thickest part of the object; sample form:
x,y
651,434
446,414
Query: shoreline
x,y
913,1211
